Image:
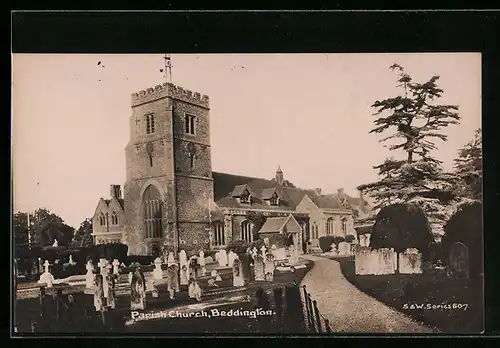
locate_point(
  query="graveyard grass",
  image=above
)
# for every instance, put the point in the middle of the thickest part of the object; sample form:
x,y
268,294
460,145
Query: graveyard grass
x,y
400,291
27,310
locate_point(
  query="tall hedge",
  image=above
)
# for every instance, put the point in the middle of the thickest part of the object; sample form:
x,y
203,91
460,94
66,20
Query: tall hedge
x,y
466,226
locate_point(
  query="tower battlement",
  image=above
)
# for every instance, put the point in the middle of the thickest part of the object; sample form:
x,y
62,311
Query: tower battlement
x,y
170,90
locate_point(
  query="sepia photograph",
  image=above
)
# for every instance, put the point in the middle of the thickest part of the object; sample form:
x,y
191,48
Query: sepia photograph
x,y
325,193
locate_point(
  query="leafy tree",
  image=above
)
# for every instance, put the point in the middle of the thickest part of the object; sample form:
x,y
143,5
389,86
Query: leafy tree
x,y
469,167
401,226
48,226
83,236
413,122
20,230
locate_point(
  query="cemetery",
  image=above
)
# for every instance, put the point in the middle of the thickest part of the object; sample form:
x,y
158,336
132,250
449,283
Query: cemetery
x,y
102,299
446,276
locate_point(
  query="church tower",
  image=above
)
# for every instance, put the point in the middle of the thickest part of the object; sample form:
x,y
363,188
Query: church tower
x,y
169,171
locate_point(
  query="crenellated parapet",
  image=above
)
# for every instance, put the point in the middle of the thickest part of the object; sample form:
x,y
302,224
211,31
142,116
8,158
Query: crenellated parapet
x,y
170,90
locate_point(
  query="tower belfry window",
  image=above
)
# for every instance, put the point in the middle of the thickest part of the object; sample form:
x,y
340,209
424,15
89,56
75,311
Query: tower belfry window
x,y
150,124
189,124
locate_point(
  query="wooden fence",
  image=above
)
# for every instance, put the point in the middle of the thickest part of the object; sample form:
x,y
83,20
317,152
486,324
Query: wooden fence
x,y
315,322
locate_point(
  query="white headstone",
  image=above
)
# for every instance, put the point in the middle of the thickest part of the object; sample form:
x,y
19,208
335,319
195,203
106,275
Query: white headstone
x,y
102,266
222,258
71,261
255,251
55,244
171,259
194,291
266,242
201,261
294,257
231,257
273,250
269,267
89,277
157,272
46,277
280,254
116,264
259,268
263,251
183,258
344,249
238,280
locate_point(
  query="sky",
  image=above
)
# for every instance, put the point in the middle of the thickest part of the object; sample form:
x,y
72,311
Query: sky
x,y
310,114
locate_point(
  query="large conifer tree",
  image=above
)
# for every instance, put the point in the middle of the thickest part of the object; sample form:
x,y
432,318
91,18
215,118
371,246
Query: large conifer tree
x,y
412,123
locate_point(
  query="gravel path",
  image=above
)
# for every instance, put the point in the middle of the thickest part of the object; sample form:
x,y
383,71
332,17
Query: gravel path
x,y
349,309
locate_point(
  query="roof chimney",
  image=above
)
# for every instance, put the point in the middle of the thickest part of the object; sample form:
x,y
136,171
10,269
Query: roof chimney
x,y
115,191
318,191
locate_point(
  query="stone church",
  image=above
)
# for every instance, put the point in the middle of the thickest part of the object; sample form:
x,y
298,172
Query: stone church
x,y
172,198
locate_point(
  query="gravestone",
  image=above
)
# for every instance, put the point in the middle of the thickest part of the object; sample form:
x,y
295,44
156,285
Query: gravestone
x,y
410,262
193,267
130,276
71,261
245,267
263,251
138,291
184,275
98,293
237,273
55,244
201,260
222,259
171,259
255,252
273,250
269,267
294,255
231,256
183,264
111,295
209,260
173,280
211,283
458,261
194,290
344,249
280,254
116,265
102,266
46,277
214,274
157,272
266,242
40,265
259,268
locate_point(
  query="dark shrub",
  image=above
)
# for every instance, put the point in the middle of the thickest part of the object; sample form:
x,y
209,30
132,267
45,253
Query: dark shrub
x,y
325,243
401,226
337,240
141,259
436,252
350,238
116,251
257,244
466,226
237,246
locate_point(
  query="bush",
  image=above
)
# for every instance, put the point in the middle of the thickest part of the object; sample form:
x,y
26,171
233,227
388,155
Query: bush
x,y
325,243
143,260
257,244
466,226
350,238
337,240
237,246
401,226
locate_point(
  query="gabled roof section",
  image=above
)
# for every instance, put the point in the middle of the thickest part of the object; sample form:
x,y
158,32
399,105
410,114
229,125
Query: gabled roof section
x,y
118,201
268,193
327,201
239,190
227,185
274,224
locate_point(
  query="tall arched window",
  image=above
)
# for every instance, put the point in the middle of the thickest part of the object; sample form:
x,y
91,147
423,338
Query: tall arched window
x,y
316,231
344,226
114,219
329,226
219,238
102,219
246,231
150,124
153,212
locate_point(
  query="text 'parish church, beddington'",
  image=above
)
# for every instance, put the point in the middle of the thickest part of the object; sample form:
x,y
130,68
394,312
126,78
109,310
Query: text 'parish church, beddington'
x,y
172,198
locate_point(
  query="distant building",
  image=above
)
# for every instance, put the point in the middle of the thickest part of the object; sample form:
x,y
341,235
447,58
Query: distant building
x,y
172,198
